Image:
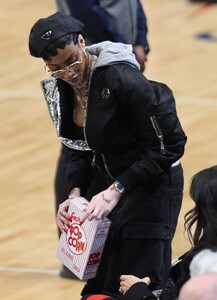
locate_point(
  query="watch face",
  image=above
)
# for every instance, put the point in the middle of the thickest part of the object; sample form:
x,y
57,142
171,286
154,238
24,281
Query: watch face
x,y
119,187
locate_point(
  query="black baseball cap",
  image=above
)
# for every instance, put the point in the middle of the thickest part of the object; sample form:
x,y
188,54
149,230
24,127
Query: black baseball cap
x,y
47,30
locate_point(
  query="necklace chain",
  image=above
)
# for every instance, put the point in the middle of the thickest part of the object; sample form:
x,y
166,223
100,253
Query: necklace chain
x,y
85,86
82,99
82,90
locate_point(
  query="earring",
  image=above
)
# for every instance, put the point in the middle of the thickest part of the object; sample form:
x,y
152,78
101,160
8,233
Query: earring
x,y
84,51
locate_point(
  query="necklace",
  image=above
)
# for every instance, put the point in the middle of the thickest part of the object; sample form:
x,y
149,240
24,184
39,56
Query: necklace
x,y
83,85
82,99
82,90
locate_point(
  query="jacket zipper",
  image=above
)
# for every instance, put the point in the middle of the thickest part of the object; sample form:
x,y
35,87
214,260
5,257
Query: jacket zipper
x,y
94,153
94,159
85,116
159,134
106,167
104,161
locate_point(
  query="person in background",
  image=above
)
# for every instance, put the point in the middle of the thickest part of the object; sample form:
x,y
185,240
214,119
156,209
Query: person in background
x,y
204,262
115,20
203,282
202,287
201,227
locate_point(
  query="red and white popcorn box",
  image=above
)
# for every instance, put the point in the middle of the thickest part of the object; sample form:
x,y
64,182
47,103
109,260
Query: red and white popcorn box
x,y
80,248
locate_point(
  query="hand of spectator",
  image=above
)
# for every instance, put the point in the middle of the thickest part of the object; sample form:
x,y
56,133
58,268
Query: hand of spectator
x,y
140,56
126,281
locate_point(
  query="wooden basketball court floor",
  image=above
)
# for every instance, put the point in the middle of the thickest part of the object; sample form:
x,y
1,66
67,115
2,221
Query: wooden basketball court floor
x,y
29,147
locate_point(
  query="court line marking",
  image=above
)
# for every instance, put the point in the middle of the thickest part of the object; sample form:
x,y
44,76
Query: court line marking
x,y
36,270
196,101
29,270
31,94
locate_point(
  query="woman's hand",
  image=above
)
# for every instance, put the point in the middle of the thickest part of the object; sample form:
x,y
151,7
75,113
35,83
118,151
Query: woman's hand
x,y
126,281
62,218
101,204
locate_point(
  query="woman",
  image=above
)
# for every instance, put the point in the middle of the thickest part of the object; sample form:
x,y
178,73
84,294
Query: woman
x,y
123,140
102,22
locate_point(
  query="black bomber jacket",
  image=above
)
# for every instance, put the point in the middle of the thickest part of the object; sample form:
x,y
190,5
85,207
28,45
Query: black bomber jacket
x,y
131,126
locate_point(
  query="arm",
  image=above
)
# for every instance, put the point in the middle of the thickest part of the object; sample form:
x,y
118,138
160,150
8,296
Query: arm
x,y
151,108
135,288
139,291
141,46
127,281
142,29
79,177
78,170
131,28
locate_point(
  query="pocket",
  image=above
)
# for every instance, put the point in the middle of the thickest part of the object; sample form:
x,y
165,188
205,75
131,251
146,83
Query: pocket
x,y
144,249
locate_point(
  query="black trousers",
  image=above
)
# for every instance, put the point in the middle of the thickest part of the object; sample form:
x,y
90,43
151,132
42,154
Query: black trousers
x,y
140,237
141,233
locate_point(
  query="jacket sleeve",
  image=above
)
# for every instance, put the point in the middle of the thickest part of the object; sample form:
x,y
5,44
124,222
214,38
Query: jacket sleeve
x,y
78,171
139,291
142,29
151,108
98,28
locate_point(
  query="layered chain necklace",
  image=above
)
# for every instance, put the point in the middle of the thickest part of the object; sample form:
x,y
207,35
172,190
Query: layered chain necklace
x,y
82,90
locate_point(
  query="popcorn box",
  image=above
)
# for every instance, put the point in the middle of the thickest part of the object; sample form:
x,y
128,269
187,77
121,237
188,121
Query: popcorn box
x,y
80,248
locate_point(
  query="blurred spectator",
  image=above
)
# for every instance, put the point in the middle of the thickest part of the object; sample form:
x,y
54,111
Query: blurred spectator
x,y
113,20
204,262
203,287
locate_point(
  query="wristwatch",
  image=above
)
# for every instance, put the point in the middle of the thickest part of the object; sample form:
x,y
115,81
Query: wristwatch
x,y
119,187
